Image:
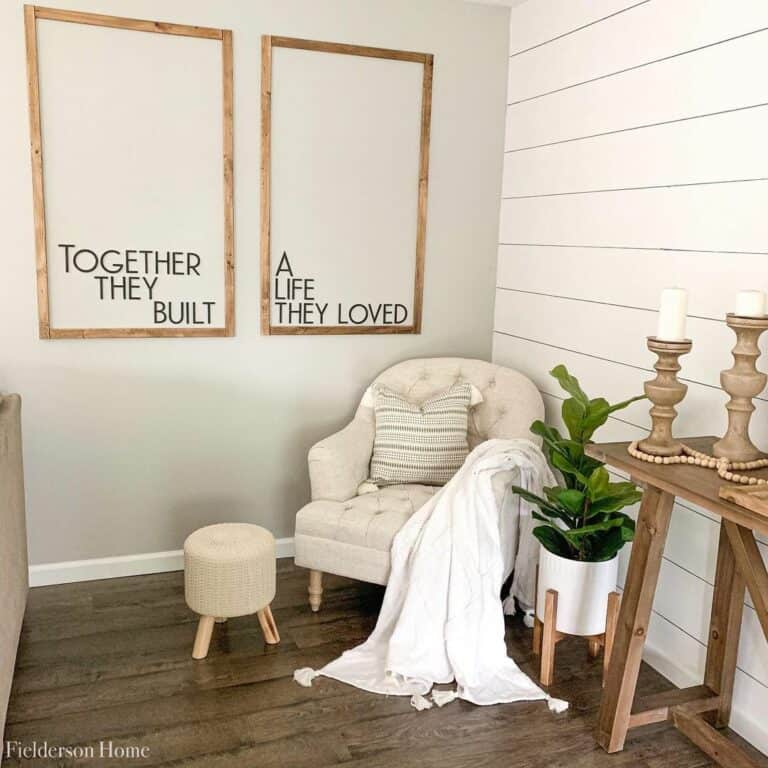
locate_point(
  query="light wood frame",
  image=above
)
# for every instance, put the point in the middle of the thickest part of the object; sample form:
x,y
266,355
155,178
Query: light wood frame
x,y
31,14
268,42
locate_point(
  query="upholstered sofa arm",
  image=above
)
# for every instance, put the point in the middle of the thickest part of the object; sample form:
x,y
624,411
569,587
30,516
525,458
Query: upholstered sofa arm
x,y
338,464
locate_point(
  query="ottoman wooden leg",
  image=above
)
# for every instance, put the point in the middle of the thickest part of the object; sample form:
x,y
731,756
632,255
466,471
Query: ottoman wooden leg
x,y
315,590
203,637
268,626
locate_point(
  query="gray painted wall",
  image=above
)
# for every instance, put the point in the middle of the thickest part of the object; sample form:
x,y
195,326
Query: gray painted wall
x,y
131,444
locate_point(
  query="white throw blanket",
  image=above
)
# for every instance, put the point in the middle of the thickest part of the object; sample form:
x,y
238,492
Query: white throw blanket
x,y
442,618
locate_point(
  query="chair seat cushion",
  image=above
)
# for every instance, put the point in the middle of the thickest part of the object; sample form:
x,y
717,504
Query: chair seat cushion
x,y
370,520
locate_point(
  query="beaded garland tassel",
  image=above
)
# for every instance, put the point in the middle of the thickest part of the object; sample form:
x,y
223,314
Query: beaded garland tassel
x,y
723,466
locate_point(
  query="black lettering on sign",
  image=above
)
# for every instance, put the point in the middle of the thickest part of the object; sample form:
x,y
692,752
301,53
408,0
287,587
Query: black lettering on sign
x,y
141,275
295,302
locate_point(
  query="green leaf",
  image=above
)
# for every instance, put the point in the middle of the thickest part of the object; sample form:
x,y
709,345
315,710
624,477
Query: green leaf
x,y
564,465
616,499
598,484
550,438
598,411
608,545
530,497
545,506
628,529
547,433
570,384
569,498
550,509
573,415
553,541
604,525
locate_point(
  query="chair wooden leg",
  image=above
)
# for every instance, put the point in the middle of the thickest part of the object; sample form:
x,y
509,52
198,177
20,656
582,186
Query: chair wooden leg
x,y
315,590
549,638
611,619
203,637
594,644
268,626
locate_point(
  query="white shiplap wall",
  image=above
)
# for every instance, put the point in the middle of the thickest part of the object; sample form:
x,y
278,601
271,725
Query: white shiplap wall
x,y
636,158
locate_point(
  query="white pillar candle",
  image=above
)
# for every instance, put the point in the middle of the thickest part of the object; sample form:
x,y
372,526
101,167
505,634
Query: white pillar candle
x,y
672,314
750,304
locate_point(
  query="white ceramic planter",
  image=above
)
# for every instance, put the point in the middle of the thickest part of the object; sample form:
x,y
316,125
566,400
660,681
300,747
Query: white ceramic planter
x,y
582,592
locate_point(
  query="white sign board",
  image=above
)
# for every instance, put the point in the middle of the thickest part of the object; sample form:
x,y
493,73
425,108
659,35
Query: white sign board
x,y
135,177
347,131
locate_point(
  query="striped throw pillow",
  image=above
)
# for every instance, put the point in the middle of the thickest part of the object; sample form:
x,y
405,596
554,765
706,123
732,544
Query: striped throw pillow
x,y
424,443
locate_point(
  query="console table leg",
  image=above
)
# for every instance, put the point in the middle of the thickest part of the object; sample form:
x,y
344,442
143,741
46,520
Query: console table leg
x,y
751,566
634,614
724,627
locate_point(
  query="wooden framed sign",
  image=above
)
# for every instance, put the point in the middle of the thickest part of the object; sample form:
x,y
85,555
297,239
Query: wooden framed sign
x,y
344,171
132,175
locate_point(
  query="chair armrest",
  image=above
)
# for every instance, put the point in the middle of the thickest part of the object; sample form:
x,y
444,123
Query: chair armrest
x,y
339,463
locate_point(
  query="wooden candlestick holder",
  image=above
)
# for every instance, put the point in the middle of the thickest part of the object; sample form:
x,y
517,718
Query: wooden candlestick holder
x,y
742,382
665,392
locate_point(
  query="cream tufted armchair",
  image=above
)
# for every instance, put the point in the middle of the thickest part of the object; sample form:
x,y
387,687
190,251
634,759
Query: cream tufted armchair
x,y
350,535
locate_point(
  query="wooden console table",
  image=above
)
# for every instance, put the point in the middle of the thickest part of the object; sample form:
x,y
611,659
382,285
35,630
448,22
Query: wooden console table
x,y
699,711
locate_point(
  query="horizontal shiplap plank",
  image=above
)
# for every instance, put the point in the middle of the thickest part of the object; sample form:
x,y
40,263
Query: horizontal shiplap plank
x,y
645,34
726,146
722,217
710,80
614,333
545,20
701,413
712,279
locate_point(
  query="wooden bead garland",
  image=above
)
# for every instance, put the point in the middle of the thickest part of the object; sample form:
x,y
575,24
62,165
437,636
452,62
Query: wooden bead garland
x,y
723,466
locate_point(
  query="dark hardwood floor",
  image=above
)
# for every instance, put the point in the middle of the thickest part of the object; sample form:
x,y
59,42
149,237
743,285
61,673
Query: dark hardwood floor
x,y
110,662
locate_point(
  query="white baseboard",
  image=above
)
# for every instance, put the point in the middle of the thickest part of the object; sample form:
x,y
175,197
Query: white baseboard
x,y
47,574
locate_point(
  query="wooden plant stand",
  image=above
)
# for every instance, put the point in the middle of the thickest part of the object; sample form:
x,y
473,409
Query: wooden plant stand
x,y
546,636
739,566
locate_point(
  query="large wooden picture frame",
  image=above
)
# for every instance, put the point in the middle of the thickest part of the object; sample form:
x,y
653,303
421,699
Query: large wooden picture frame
x,y
31,15
269,43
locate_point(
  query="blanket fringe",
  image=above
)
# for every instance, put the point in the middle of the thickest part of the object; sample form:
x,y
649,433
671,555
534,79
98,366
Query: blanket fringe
x,y
441,698
419,703
556,705
528,619
305,676
508,606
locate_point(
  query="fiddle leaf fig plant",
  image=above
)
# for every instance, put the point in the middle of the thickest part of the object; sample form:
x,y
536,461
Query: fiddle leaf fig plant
x,y
581,519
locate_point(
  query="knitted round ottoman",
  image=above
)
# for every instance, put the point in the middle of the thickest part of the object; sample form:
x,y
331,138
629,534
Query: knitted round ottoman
x,y
229,570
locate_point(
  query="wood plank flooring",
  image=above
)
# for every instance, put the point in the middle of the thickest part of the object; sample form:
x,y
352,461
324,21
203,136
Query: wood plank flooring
x,y
109,661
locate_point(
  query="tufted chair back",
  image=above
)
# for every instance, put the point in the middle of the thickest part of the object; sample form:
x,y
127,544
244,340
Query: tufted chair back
x,y
511,401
